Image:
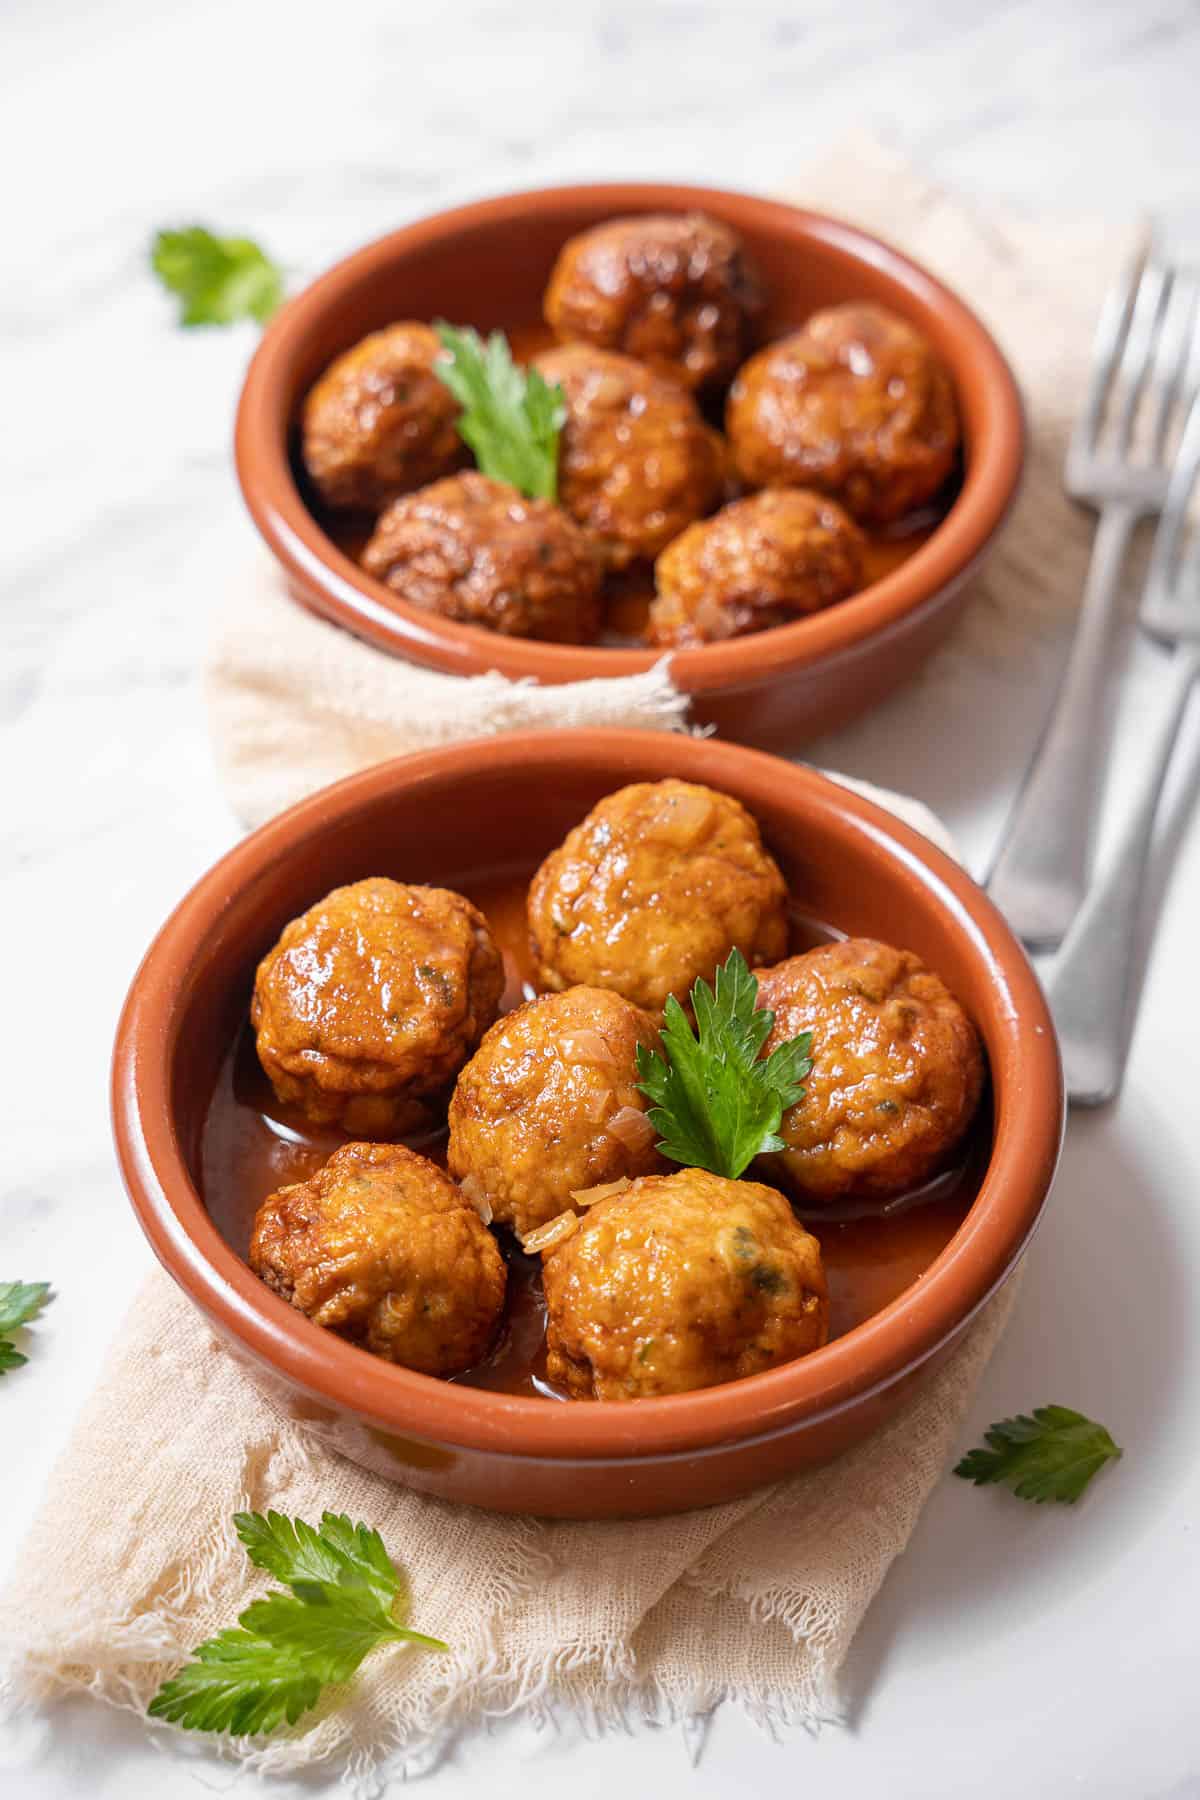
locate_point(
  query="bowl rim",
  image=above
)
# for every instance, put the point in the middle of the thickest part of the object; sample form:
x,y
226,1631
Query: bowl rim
x,y
330,583
1028,1095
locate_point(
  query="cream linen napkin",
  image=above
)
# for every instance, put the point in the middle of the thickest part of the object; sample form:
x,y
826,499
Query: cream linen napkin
x,y
756,1601
295,703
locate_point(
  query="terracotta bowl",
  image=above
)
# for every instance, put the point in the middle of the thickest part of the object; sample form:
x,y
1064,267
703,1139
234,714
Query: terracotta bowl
x,y
487,265
455,815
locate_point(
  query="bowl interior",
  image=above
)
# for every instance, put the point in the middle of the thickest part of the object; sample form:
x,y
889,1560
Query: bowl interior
x,y
487,265
453,817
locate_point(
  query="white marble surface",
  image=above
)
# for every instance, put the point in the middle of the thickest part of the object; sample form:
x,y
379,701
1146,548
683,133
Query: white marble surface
x,y
1011,1650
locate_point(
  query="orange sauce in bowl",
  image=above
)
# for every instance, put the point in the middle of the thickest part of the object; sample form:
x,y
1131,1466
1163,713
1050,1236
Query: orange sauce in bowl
x,y
251,1145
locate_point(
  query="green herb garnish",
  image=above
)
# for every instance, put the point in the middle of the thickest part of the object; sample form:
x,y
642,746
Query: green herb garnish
x,y
347,1597
20,1301
717,1101
1049,1456
218,279
511,417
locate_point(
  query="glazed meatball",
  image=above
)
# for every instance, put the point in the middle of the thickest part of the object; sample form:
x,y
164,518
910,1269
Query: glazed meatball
x,y
676,290
758,562
475,550
856,404
897,1070
636,461
372,999
379,422
680,1282
549,1104
381,1247
655,888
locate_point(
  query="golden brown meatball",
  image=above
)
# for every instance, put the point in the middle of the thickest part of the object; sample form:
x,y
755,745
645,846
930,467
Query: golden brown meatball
x,y
373,998
636,462
682,1281
655,888
856,404
758,562
676,290
475,550
379,422
897,1069
549,1103
381,1247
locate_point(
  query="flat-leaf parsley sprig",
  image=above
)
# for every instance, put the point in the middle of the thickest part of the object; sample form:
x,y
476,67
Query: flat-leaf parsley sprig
x,y
346,1598
717,1100
1049,1455
511,417
20,1302
217,279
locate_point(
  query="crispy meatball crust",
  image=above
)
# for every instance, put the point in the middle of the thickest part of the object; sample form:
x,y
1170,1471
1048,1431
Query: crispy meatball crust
x,y
381,1247
655,888
532,1114
379,423
758,562
373,998
675,290
681,1282
856,404
897,1069
476,550
636,461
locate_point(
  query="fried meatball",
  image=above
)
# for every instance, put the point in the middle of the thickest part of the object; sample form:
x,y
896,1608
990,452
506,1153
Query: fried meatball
x,y
676,290
756,563
379,422
381,1247
897,1070
856,404
372,999
636,461
655,888
680,1282
549,1103
473,549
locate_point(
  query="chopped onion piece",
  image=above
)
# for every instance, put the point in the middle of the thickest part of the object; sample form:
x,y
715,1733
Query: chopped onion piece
x,y
595,1107
631,1126
471,1189
592,1196
584,1046
549,1236
682,819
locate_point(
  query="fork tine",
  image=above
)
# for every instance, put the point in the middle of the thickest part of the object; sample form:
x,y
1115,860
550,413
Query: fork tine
x,y
1112,329
1153,296
1175,354
1168,539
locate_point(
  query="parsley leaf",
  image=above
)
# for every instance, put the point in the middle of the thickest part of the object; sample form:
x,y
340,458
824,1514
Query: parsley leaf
x,y
20,1301
218,279
717,1101
511,417
345,1600
1050,1456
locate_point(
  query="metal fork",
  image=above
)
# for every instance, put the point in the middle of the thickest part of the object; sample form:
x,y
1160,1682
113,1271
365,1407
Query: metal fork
x,y
1119,462
1089,983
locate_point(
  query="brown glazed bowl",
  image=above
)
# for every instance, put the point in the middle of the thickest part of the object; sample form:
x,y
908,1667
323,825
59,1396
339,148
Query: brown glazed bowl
x,y
489,806
487,265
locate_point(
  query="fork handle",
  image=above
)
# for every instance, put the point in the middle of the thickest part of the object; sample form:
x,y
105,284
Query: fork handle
x,y
1088,984
1039,875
